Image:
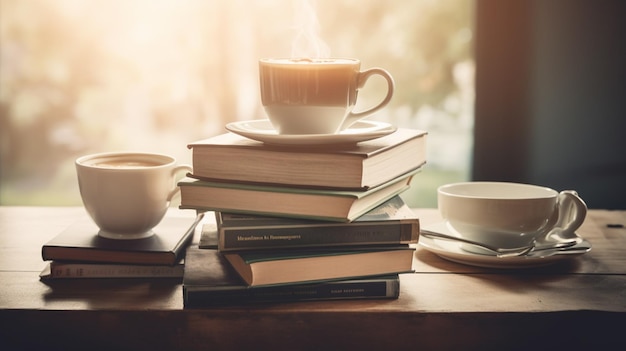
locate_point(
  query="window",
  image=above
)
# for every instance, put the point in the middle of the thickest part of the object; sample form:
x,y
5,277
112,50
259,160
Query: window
x,y
79,77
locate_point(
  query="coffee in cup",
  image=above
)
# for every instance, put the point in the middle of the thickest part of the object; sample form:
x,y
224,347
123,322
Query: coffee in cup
x,y
315,96
127,193
508,215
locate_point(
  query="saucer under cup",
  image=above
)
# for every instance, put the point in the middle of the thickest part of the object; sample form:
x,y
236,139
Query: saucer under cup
x,y
453,251
263,130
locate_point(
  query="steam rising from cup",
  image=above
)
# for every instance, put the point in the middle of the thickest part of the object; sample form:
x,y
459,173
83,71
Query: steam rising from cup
x,y
307,42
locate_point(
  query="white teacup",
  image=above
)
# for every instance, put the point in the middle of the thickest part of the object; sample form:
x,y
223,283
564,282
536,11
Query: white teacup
x,y
126,193
509,215
315,96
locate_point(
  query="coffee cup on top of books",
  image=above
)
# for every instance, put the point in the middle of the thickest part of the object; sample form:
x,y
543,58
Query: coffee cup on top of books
x,y
315,96
127,193
510,215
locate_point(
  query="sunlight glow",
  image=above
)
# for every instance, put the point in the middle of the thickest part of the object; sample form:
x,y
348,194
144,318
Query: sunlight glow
x,y
79,77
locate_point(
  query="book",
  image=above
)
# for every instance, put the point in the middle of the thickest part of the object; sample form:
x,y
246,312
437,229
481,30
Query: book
x,y
232,158
81,242
392,222
209,280
299,266
321,204
80,270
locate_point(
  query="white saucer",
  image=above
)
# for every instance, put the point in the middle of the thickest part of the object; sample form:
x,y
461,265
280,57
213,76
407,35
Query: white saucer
x,y
262,130
452,251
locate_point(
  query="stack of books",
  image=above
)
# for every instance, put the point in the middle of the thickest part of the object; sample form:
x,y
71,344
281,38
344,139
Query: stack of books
x,y
296,223
79,252
234,174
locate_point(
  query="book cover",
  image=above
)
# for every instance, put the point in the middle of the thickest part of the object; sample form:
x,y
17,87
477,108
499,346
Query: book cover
x,y
392,222
320,204
298,266
80,270
209,280
81,242
359,166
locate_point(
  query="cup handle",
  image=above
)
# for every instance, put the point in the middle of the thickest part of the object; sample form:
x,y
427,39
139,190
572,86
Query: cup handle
x,y
361,79
571,214
175,171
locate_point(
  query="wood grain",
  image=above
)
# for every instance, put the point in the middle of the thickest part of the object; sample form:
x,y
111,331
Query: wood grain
x,y
443,305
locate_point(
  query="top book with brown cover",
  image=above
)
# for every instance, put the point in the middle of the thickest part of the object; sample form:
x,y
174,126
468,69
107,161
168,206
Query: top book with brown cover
x,y
81,242
233,158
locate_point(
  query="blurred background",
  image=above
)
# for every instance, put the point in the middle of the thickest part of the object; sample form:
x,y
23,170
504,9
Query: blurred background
x,y
79,77
520,90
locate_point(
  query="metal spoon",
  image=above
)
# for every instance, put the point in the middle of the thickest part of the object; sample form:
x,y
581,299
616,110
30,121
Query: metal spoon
x,y
577,249
547,243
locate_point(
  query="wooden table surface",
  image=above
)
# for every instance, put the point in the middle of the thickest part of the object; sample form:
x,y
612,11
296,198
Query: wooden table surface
x,y
579,303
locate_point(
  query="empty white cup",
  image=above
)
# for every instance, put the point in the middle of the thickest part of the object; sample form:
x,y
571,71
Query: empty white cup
x,y
509,215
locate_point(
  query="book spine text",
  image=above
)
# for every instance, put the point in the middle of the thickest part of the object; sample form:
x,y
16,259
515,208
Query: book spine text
x,y
301,237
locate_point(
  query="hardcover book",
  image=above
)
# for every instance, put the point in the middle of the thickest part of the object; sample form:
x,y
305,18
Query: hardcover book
x,y
392,222
81,242
360,166
320,204
299,266
79,270
209,280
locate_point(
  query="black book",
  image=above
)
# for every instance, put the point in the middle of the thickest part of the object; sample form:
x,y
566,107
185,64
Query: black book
x,y
81,242
209,280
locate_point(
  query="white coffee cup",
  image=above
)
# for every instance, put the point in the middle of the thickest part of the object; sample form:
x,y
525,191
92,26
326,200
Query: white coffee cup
x,y
509,215
315,96
127,193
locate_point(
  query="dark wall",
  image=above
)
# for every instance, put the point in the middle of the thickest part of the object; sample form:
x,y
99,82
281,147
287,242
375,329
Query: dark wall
x,y
551,96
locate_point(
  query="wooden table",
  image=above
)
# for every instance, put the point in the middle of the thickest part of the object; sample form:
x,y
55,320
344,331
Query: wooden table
x,y
444,305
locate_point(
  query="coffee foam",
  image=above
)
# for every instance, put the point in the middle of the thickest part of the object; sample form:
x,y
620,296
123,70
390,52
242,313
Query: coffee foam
x,y
126,161
309,61
125,164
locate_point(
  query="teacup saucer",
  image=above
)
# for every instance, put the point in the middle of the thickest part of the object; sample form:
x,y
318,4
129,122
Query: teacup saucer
x,y
452,251
262,130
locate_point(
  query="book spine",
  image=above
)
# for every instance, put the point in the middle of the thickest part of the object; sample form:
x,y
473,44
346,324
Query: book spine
x,y
114,271
379,288
244,239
